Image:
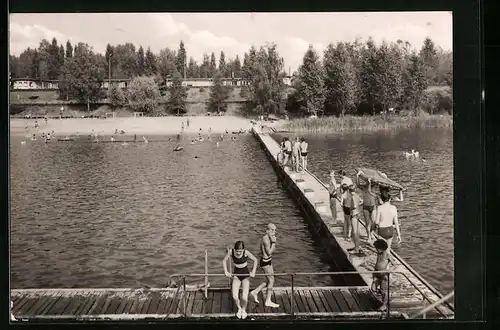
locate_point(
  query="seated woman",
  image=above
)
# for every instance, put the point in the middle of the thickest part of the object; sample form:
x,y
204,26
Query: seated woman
x,y
241,275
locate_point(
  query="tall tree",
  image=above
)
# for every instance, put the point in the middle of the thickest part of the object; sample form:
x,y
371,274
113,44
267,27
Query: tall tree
x,y
414,82
110,60
60,58
192,70
310,85
69,50
428,54
218,94
368,74
205,67
178,95
150,63
166,63
222,64
82,78
389,76
181,60
340,79
237,67
141,62
212,69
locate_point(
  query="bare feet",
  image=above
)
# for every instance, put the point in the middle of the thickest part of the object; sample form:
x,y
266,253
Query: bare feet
x,y
271,304
238,314
254,296
243,314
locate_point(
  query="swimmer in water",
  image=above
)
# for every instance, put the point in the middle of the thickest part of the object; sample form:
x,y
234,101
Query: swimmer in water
x,y
33,138
380,281
241,275
386,219
267,247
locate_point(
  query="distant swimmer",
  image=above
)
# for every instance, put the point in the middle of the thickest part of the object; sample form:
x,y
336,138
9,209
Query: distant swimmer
x,y
48,136
145,140
267,247
112,139
217,144
116,131
227,132
36,124
26,127
122,132
33,138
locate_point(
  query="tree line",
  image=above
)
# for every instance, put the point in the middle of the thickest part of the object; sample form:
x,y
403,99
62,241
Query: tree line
x,y
353,77
360,78
122,61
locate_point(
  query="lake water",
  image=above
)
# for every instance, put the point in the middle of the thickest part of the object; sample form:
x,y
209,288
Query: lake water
x,y
426,214
107,215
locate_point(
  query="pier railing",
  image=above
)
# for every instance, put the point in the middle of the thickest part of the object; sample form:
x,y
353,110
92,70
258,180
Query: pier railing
x,y
293,276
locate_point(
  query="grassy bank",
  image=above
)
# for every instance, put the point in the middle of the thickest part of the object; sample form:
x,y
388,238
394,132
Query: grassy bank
x,y
365,123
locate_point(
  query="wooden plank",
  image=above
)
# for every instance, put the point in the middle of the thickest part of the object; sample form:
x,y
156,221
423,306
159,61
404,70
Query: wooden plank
x,y
162,306
277,295
305,305
174,304
155,301
199,301
361,299
285,300
107,302
262,299
38,305
56,296
115,303
91,298
61,305
339,298
98,304
372,301
299,305
350,300
21,305
208,303
132,309
310,301
317,300
182,302
190,302
143,300
226,306
47,301
126,300
216,303
331,308
77,300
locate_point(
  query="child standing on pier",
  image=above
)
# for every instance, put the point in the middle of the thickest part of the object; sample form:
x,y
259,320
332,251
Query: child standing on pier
x,y
241,275
380,282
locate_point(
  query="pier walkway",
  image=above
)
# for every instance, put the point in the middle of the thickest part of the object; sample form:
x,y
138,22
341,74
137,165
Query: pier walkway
x,y
172,303
409,291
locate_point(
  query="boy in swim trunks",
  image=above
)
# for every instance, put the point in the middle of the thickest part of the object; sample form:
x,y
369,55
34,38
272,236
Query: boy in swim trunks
x,y
296,154
267,247
369,202
380,283
386,219
241,275
332,190
303,153
355,214
288,151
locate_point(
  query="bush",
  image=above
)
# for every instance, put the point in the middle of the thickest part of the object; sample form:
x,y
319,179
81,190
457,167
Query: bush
x,y
437,99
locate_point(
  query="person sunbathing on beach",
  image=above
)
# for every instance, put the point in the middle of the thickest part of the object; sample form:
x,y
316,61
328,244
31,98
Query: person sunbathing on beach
x,y
241,275
267,247
380,281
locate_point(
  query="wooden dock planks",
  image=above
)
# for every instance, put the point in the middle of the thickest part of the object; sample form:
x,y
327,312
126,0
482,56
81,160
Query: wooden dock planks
x,y
169,303
407,282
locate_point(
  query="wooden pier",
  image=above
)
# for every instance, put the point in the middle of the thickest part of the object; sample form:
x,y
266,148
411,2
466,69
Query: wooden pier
x,y
171,303
409,291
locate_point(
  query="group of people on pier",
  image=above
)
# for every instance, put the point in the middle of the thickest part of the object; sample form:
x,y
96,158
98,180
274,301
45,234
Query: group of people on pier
x,y
241,274
379,216
293,153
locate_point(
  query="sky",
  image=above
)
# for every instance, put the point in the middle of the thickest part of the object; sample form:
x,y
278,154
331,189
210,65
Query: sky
x,y
233,33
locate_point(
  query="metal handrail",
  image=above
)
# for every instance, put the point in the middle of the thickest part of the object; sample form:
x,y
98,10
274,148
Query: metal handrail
x,y
434,305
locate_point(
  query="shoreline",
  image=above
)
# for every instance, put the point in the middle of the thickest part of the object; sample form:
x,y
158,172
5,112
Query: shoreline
x,y
131,125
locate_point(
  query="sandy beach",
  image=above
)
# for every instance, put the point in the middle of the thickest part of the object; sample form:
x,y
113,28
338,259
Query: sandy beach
x,y
131,125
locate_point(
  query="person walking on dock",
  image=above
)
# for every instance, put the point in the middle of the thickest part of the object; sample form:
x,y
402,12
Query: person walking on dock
x,y
386,219
355,217
380,283
281,154
332,190
304,146
240,256
267,247
288,151
369,202
296,154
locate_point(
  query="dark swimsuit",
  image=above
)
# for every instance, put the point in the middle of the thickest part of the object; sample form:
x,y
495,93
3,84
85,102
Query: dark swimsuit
x,y
263,262
240,266
386,232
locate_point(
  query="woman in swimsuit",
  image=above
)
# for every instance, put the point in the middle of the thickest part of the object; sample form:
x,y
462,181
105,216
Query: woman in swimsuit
x,y
241,275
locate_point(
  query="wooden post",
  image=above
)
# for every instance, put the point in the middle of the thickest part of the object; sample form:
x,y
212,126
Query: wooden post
x,y
206,272
292,300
